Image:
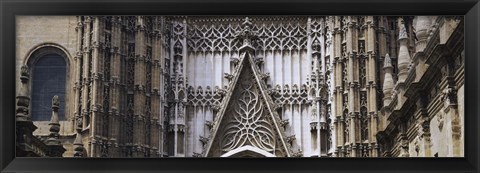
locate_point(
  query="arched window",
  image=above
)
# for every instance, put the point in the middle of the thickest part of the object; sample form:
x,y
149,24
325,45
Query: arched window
x,y
49,77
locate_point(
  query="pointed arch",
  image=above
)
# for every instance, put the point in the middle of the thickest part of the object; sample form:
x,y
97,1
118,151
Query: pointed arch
x,y
247,116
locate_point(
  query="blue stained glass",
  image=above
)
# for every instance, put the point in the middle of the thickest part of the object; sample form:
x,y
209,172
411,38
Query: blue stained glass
x,y
49,77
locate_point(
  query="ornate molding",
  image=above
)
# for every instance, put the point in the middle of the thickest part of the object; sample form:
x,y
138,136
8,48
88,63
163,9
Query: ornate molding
x,y
273,35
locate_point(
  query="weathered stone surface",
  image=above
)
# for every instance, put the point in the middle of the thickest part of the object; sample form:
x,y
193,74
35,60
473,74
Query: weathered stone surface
x,y
153,86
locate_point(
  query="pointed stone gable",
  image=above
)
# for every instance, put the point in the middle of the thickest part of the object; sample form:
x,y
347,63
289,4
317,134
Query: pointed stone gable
x,y
247,116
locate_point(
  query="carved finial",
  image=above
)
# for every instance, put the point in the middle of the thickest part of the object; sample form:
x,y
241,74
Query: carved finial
x,y
404,59
55,106
24,74
54,123
403,31
55,102
388,82
388,61
247,22
246,36
25,71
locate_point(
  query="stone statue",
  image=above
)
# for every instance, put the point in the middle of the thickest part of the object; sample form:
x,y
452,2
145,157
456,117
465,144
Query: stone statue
x,y
25,71
55,101
316,45
388,61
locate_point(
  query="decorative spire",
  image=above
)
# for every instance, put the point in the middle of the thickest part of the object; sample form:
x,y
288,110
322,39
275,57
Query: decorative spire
x,y
403,54
388,81
246,36
54,123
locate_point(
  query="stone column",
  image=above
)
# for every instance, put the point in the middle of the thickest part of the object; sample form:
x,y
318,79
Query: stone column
x,y
403,142
165,71
139,85
352,81
78,74
54,145
453,120
447,27
373,80
424,125
96,90
78,145
24,126
115,86
316,119
156,92
337,70
176,129
85,111
54,123
422,25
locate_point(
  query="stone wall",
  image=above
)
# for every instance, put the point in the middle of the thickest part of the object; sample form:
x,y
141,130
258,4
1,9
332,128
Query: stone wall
x,y
35,33
293,73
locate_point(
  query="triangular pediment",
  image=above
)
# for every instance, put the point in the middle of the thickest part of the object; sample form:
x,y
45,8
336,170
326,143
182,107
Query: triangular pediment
x,y
247,116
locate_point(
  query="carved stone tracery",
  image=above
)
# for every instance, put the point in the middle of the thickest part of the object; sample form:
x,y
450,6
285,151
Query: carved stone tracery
x,y
336,58
249,125
273,35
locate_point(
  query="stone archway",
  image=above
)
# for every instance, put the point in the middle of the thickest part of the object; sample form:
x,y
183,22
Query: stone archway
x,y
49,64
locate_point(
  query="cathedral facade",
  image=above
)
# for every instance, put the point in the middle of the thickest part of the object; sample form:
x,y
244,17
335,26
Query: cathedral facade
x,y
236,86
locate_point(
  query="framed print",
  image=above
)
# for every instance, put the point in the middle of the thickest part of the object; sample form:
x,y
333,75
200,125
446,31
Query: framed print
x,y
214,86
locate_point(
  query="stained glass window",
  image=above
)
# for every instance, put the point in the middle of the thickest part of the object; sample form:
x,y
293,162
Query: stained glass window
x,y
49,76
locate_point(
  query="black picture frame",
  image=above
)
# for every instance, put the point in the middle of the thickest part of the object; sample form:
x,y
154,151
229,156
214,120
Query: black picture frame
x,y
9,9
